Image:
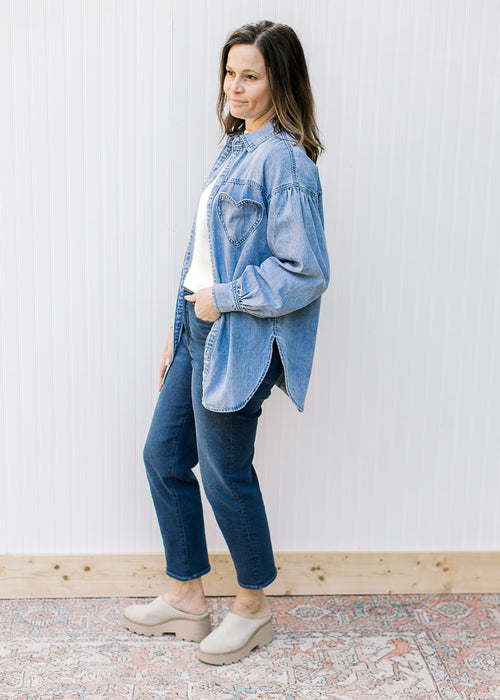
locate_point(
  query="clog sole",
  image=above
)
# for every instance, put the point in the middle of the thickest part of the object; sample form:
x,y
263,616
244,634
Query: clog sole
x,y
189,630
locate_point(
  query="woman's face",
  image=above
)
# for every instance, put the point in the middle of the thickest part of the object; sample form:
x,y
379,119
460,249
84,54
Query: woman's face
x,y
247,87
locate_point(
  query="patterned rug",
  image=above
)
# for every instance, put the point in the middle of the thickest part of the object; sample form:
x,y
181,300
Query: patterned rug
x,y
342,647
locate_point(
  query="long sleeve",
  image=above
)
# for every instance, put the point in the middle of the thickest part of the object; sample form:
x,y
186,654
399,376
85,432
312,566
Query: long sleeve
x,y
296,273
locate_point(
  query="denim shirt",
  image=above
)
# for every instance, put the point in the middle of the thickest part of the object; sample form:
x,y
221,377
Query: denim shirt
x,y
270,266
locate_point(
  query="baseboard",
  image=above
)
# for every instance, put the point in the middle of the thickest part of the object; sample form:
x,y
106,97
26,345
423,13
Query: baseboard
x,y
300,573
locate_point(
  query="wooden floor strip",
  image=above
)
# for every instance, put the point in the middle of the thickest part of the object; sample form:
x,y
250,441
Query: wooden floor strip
x,y
299,573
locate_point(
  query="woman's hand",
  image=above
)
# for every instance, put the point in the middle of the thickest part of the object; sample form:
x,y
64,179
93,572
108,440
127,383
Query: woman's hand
x,y
166,358
204,306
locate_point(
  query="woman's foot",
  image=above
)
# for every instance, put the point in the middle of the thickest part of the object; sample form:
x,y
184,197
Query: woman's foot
x,y
182,611
251,603
187,596
247,626
234,639
158,617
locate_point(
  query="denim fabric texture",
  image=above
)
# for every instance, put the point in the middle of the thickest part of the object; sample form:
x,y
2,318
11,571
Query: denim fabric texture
x,y
270,265
183,433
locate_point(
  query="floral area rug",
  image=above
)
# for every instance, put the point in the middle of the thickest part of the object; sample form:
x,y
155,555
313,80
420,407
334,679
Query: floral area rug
x,y
376,647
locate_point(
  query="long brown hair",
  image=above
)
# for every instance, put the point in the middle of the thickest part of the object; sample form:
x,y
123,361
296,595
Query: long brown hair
x,y
288,80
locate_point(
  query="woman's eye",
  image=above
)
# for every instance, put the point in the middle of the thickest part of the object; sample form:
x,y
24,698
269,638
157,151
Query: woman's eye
x,y
251,77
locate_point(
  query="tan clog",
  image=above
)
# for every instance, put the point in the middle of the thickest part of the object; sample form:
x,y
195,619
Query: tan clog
x,y
158,617
234,639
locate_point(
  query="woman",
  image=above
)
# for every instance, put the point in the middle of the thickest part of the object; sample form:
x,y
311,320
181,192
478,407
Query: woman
x,y
246,319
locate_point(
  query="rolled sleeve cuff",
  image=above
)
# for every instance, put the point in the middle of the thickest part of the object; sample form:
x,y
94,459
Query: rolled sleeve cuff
x,y
225,297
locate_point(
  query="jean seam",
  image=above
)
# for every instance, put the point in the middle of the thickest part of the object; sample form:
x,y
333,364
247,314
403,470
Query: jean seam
x,y
176,498
178,509
243,509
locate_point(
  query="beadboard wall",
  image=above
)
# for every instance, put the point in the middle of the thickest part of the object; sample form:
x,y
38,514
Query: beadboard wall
x,y
107,128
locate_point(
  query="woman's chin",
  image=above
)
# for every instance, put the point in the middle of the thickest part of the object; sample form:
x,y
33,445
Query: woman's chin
x,y
237,113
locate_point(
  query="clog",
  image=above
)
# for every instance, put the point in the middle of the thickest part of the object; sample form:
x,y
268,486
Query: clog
x,y
158,617
234,639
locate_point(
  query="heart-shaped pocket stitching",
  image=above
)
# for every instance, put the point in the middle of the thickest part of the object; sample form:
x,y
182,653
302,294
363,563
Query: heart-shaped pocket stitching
x,y
239,219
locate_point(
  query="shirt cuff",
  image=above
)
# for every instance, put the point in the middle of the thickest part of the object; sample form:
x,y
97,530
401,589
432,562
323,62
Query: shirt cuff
x,y
225,297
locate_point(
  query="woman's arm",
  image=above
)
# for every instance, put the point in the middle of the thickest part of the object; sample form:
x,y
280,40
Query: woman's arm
x,y
298,270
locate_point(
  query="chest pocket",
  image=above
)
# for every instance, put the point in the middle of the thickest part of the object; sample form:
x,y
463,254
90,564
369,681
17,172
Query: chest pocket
x,y
239,219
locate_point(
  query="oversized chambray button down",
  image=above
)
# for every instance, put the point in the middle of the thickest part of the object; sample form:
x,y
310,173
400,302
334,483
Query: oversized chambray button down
x,y
270,266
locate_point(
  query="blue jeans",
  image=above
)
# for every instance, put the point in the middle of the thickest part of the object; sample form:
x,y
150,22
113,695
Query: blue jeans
x,y
182,434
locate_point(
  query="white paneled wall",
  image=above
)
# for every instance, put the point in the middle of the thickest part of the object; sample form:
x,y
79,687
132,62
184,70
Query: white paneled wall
x,y
107,128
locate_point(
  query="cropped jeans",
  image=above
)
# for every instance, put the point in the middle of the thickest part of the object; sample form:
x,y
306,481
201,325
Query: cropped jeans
x,y
184,433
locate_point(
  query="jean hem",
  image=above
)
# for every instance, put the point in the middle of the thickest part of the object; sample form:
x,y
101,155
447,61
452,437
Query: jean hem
x,y
257,586
190,577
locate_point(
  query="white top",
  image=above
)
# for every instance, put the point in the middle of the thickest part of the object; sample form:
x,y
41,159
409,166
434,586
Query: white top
x,y
200,273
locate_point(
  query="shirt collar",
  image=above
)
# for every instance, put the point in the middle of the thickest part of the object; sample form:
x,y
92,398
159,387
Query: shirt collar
x,y
253,138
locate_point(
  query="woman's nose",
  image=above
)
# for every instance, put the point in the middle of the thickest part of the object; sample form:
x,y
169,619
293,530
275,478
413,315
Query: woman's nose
x,y
237,85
